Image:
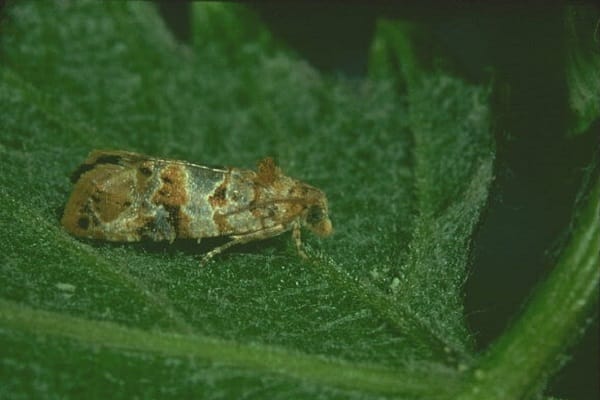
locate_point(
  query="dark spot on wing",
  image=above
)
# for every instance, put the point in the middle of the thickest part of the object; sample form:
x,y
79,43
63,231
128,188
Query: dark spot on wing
x,y
83,168
83,222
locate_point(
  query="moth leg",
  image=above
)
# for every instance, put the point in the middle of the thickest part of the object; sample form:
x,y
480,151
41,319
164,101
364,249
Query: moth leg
x,y
296,235
241,239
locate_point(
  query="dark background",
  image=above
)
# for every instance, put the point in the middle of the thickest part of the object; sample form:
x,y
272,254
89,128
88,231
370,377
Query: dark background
x,y
539,169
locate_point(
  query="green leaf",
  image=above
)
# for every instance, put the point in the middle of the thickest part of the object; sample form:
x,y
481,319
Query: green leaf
x,y
583,65
377,311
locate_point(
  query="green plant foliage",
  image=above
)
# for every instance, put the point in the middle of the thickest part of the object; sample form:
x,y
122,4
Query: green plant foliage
x,y
583,65
376,311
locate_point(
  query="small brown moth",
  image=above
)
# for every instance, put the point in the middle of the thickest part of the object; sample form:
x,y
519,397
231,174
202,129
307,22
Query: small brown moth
x,y
128,197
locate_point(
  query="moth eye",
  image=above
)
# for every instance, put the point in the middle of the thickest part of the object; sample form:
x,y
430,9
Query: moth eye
x,y
315,214
146,171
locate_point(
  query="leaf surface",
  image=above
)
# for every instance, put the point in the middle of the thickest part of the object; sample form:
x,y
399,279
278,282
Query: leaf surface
x,y
377,310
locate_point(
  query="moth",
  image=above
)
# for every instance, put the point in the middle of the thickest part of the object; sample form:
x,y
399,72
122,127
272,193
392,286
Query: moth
x,y
129,197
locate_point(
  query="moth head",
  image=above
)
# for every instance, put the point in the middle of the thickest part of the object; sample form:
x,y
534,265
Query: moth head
x,y
317,219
